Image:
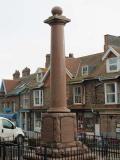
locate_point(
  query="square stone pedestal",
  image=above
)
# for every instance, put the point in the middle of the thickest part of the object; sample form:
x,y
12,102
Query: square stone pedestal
x,y
59,129
59,139
59,133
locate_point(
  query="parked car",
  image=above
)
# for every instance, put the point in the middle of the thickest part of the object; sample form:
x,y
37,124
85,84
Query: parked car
x,y
9,132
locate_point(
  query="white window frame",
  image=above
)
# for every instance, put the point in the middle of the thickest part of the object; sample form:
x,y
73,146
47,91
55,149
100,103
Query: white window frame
x,y
85,73
117,64
77,95
105,87
40,98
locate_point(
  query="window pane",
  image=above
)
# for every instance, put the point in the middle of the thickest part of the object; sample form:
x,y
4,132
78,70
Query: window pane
x,y
113,64
7,124
85,70
36,93
118,90
113,67
77,99
78,91
118,97
77,95
111,98
38,97
36,100
113,60
110,88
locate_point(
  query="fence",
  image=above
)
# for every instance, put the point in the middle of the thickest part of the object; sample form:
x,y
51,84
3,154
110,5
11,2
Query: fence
x,y
32,138
98,148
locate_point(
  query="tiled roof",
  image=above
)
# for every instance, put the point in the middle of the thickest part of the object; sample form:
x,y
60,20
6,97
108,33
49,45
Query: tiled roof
x,y
117,49
72,64
92,61
113,40
99,72
10,84
25,83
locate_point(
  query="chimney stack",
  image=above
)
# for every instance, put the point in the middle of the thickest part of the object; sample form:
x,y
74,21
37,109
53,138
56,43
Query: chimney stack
x,y
25,72
71,55
47,63
16,75
106,42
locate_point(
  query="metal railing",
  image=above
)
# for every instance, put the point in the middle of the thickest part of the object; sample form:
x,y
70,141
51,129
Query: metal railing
x,y
91,148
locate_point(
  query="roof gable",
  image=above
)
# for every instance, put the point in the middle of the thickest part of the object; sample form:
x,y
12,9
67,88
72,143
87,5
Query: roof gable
x,y
2,88
113,50
24,84
8,85
48,74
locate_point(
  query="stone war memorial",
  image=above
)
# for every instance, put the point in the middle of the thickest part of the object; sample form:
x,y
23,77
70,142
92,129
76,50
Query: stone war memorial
x,y
59,128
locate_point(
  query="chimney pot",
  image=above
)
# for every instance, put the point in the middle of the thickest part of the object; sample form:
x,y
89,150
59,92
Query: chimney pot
x,y
25,72
16,75
47,63
71,55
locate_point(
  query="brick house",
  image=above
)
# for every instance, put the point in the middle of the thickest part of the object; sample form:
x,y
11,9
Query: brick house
x,y
93,89
20,97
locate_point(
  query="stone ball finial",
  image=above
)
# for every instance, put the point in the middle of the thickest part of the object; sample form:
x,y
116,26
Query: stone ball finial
x,y
57,10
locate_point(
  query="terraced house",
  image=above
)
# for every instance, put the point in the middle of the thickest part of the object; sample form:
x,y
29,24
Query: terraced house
x,y
20,99
93,89
93,92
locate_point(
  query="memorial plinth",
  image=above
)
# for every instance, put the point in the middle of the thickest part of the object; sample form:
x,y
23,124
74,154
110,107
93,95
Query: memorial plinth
x,y
59,129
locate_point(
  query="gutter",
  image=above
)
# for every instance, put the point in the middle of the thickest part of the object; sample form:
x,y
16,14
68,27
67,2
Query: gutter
x,y
83,80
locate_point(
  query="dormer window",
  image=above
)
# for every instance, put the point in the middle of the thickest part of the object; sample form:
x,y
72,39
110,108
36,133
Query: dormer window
x,y
39,76
85,70
113,64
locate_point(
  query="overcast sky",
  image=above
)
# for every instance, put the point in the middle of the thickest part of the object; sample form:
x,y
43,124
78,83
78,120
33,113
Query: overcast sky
x,y
25,39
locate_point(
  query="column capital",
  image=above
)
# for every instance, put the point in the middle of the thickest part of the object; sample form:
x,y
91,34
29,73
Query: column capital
x,y
57,17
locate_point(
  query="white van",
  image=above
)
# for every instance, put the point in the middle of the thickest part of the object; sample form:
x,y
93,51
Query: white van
x,y
9,132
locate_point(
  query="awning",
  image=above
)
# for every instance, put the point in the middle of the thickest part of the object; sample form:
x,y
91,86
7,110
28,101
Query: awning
x,y
9,116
